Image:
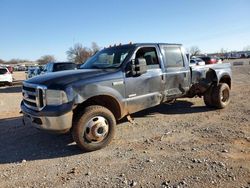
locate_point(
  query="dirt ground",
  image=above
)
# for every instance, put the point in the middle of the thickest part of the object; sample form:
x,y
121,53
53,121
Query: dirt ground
x,y
184,144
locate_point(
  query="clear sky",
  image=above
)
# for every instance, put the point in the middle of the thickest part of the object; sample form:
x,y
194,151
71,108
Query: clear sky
x,y
32,28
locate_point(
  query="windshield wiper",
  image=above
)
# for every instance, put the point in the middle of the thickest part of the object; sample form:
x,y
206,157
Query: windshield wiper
x,y
111,66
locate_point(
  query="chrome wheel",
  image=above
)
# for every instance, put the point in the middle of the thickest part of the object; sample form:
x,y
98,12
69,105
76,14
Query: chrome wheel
x,y
97,129
93,128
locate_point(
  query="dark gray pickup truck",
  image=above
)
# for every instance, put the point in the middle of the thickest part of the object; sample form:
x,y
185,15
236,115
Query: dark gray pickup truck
x,y
115,83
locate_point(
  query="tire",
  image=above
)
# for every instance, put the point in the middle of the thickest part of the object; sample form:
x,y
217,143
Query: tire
x,y
221,95
94,128
208,97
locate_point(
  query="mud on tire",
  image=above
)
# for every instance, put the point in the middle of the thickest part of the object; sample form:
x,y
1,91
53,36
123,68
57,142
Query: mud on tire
x,y
221,95
208,97
93,128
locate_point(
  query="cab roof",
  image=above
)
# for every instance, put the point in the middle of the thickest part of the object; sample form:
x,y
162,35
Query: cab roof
x,y
143,44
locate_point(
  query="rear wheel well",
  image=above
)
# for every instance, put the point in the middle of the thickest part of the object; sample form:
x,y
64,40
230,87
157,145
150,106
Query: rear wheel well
x,y
106,101
226,79
212,78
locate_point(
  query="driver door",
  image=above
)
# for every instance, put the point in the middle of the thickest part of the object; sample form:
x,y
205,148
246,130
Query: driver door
x,y
144,91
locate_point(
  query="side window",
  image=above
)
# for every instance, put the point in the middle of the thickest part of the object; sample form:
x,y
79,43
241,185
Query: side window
x,y
173,57
150,55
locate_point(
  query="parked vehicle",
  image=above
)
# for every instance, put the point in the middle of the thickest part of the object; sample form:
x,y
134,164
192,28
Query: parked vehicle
x,y
34,71
116,82
10,68
209,59
38,70
30,72
196,61
20,68
78,66
219,60
5,76
59,66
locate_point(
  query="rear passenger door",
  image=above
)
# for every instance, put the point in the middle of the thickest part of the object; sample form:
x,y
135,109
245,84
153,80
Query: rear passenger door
x,y
177,72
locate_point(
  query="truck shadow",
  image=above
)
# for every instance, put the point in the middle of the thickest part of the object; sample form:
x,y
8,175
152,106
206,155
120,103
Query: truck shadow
x,y
11,89
178,107
22,142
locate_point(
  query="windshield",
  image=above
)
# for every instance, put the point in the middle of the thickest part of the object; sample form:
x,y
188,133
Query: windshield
x,y
108,58
3,71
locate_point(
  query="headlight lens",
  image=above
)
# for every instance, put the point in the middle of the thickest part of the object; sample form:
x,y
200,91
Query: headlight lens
x,y
56,97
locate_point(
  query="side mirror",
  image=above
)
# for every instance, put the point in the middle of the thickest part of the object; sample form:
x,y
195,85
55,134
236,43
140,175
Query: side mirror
x,y
139,66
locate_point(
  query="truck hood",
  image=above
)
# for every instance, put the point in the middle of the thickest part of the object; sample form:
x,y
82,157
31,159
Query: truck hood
x,y
58,80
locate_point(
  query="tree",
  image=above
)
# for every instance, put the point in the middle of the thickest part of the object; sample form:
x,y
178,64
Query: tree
x,y
79,54
222,51
14,61
46,59
246,48
95,48
2,61
194,50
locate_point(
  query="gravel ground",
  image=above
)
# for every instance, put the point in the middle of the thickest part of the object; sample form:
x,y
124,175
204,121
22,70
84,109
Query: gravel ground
x,y
183,144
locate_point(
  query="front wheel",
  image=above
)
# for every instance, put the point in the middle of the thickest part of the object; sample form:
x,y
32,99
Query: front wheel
x,y
94,128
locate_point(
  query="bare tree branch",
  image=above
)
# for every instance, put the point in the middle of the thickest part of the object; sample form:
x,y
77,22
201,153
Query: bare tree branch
x,y
194,50
46,59
246,48
79,54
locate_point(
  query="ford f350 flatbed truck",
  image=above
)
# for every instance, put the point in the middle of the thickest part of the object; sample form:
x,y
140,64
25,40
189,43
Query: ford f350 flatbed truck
x,y
116,82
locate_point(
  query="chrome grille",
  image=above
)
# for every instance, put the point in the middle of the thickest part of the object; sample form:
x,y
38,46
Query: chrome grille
x,y
33,96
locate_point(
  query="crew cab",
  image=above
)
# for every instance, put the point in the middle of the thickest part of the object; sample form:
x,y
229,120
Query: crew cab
x,y
116,82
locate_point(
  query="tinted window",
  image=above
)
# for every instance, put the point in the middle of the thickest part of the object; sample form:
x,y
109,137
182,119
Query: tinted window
x,y
3,71
64,66
150,55
173,57
205,58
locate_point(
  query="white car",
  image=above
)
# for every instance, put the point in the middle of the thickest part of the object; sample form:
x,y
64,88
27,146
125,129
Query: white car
x,y
196,61
5,76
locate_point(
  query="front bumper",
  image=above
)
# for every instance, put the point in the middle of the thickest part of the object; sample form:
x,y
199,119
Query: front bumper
x,y
58,123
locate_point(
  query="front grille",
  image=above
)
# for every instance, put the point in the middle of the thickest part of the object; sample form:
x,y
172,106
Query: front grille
x,y
33,96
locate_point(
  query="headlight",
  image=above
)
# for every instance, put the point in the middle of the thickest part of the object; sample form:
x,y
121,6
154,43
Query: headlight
x,y
56,97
